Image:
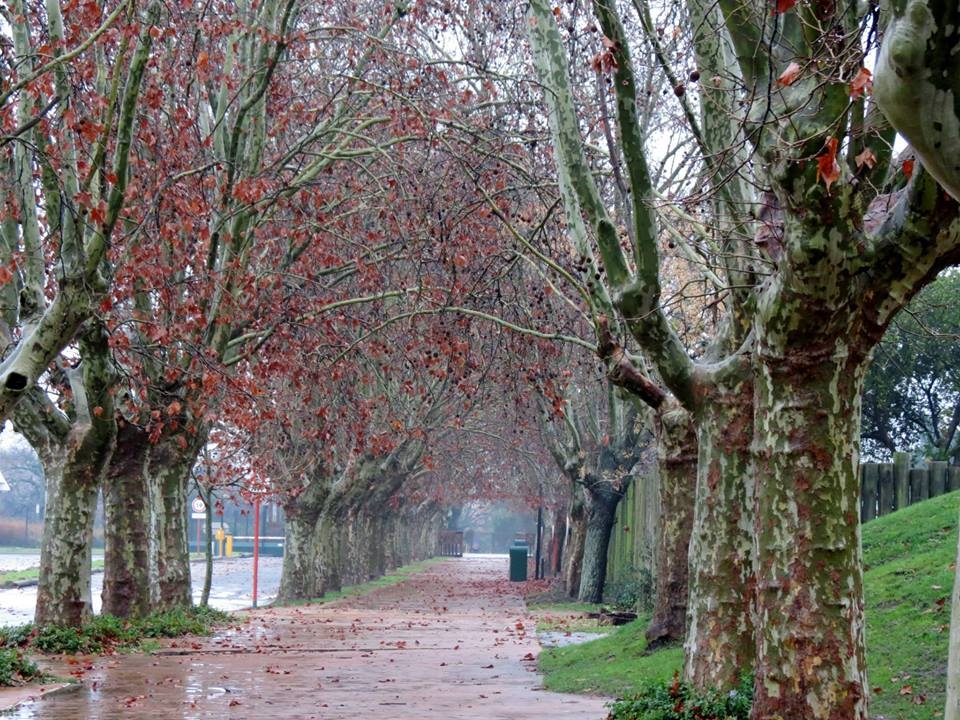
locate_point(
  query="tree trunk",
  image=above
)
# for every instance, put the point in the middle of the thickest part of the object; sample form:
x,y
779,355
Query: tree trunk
x,y
302,577
810,660
719,644
63,591
573,546
75,452
168,469
207,498
330,550
678,472
601,514
126,573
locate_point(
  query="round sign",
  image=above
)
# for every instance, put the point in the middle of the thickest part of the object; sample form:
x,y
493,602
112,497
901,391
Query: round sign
x,y
198,505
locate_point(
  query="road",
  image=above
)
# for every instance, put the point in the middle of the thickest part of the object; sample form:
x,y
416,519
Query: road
x,y
231,589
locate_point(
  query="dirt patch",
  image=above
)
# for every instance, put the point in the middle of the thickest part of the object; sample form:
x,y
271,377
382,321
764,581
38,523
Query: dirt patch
x,y
454,641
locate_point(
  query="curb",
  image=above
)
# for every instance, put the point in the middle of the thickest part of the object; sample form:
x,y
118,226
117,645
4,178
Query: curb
x,y
12,697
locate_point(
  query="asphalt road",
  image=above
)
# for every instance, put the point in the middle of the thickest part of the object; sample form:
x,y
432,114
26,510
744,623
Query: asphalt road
x,y
231,589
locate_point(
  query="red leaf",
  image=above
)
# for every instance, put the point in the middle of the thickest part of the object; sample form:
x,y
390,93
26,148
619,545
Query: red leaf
x,y
781,6
827,166
861,84
789,75
866,158
907,167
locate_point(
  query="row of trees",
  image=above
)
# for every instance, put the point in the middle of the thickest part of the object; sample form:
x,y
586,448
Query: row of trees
x,y
251,228
818,245
333,247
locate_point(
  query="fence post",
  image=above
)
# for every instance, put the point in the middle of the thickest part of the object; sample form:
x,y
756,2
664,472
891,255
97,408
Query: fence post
x,y
887,498
919,485
953,478
868,491
938,477
901,478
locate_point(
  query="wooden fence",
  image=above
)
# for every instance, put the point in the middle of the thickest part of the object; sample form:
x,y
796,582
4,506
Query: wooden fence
x,y
451,543
885,487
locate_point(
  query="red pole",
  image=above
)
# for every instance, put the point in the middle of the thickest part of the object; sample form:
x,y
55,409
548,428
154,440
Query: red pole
x,y
256,545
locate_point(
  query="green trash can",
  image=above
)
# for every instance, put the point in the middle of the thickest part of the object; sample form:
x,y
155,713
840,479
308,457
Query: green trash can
x,y
518,562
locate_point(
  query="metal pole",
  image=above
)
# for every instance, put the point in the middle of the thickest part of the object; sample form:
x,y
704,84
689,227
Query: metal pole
x,y
256,545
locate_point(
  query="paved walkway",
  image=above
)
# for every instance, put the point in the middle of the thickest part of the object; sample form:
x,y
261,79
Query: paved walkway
x,y
452,642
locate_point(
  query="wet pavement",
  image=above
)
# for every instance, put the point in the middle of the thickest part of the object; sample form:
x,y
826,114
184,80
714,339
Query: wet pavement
x,y
451,642
231,588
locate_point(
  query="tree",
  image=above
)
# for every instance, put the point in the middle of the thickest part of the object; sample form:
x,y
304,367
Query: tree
x,y
69,124
260,166
777,402
911,398
598,440
70,120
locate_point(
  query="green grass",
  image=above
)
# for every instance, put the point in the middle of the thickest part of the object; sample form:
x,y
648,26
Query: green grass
x,y
614,665
909,559
393,578
8,579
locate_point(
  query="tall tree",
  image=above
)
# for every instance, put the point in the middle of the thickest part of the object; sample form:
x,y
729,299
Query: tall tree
x,y
70,115
912,392
69,119
778,413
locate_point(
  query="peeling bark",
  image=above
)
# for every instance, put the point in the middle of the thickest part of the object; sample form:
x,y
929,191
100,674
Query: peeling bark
x,y
126,497
573,545
302,577
63,591
600,503
677,459
168,467
719,645
810,624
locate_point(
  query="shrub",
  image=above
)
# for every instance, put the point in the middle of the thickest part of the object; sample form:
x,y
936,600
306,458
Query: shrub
x,y
15,669
635,592
15,636
174,623
678,701
106,633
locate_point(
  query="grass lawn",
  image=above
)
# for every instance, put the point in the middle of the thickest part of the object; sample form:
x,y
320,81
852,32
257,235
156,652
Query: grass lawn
x,y
8,579
909,559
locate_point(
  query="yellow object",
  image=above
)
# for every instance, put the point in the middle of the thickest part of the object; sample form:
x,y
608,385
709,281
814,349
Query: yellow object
x,y
229,545
219,534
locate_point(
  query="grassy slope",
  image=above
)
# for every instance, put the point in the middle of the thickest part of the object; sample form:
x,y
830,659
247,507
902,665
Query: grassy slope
x,y
909,560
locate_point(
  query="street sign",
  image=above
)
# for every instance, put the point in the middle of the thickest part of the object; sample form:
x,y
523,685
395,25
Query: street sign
x,y
198,505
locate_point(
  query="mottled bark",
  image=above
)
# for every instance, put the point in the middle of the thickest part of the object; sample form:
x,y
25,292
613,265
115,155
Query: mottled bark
x,y
917,68
302,577
677,459
169,463
600,504
74,452
63,591
573,545
810,645
719,644
126,574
